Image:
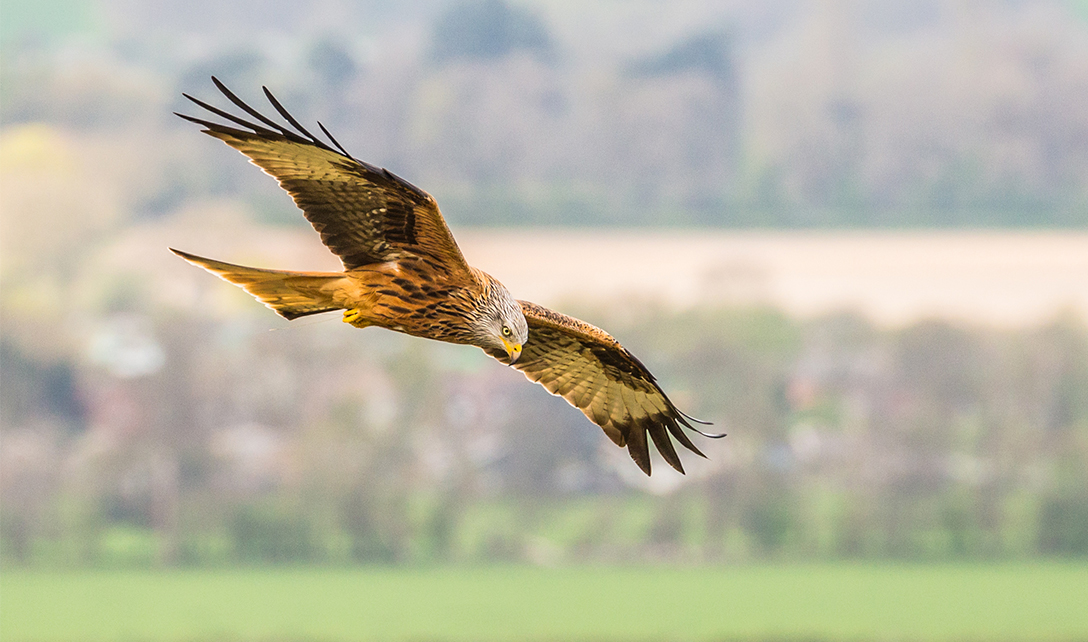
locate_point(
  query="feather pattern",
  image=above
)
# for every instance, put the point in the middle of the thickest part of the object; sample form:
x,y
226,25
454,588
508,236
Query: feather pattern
x,y
364,214
594,373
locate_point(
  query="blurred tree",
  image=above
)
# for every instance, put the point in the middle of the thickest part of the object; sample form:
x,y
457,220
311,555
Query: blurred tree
x,y
1063,525
332,62
33,391
676,117
489,30
267,533
769,520
709,53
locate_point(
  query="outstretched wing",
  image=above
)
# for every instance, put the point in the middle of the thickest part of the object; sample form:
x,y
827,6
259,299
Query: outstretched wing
x,y
591,370
364,214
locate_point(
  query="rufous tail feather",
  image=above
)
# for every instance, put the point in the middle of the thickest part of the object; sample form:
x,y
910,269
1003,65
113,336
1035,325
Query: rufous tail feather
x,y
289,294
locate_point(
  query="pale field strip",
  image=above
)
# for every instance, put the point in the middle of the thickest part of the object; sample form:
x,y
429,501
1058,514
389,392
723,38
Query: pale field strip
x,y
894,278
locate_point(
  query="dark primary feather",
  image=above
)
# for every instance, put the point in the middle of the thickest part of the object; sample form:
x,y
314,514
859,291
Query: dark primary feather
x,y
594,373
364,214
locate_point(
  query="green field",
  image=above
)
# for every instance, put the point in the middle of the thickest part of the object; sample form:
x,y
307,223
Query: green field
x,y
810,602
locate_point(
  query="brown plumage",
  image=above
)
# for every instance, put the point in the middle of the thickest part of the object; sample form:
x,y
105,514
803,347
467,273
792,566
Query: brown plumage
x,y
403,271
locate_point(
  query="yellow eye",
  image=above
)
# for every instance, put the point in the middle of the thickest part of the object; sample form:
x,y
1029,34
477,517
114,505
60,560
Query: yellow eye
x,y
505,331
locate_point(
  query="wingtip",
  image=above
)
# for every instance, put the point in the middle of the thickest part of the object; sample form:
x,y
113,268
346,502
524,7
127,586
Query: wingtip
x,y
710,435
638,448
191,258
685,418
690,418
192,119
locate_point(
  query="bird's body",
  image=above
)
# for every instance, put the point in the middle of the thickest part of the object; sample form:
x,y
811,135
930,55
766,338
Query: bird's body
x,y
404,272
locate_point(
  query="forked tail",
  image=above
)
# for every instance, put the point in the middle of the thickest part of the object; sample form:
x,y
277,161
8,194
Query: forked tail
x,y
289,294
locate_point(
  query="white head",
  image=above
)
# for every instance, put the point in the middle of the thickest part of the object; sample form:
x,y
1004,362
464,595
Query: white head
x,y
501,325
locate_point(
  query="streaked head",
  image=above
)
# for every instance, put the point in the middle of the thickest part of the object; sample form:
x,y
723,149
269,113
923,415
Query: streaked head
x,y
501,324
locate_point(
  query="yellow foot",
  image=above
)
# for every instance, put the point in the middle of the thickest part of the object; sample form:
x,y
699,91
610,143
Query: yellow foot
x,y
354,316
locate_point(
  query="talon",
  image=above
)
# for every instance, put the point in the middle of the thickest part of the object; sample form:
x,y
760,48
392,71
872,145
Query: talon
x,y
351,316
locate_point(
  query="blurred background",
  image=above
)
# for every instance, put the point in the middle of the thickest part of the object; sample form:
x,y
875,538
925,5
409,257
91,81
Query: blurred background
x,y
851,234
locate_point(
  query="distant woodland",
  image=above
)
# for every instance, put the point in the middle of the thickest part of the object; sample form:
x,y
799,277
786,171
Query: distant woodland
x,y
207,440
779,114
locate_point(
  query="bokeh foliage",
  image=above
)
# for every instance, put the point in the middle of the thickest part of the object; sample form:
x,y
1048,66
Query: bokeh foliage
x,y
935,441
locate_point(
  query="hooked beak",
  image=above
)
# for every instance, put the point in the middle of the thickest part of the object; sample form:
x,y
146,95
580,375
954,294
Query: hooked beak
x,y
513,350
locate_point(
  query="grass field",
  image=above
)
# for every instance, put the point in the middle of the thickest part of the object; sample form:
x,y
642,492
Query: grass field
x,y
790,602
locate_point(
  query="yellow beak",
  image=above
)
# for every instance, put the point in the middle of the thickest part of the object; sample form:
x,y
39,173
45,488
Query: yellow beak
x,y
513,350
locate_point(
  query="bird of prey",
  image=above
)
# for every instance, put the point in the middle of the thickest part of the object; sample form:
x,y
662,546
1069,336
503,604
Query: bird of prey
x,y
403,271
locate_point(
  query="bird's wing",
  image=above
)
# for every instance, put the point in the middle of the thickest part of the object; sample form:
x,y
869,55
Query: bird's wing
x,y
364,214
594,373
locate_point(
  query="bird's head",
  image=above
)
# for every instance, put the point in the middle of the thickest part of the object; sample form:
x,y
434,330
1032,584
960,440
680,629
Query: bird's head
x,y
501,327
